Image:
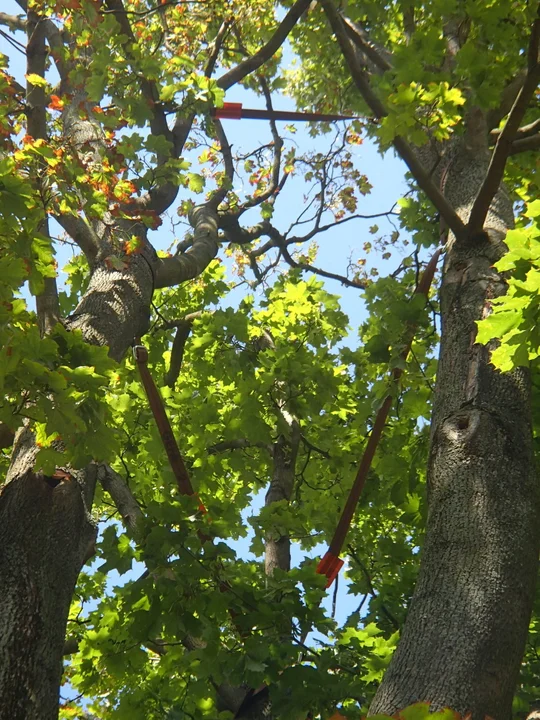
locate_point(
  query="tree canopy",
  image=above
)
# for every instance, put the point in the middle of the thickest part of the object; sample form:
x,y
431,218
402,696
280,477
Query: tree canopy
x,y
127,217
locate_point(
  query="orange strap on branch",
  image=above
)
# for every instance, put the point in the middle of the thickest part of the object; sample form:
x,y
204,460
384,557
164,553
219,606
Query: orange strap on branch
x,y
330,564
235,111
140,354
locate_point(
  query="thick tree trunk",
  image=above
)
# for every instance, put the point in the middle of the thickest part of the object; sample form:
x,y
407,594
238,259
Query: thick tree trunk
x,y
46,532
467,625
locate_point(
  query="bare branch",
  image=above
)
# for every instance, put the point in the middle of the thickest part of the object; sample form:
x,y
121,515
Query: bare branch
x,y
216,47
239,235
238,444
246,67
35,64
503,147
81,233
402,146
277,147
54,38
455,32
225,151
277,551
13,22
524,131
409,21
47,306
524,144
508,98
380,57
172,271
189,318
247,235
319,271
177,352
123,498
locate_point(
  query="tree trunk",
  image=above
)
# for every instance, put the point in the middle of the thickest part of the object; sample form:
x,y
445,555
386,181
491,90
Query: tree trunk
x,y
46,531
467,625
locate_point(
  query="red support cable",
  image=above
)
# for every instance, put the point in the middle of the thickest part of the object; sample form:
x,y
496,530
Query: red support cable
x,y
235,111
330,564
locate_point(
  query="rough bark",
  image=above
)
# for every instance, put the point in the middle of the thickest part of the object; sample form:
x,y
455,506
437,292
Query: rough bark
x,y
46,531
467,625
277,553
45,534
116,307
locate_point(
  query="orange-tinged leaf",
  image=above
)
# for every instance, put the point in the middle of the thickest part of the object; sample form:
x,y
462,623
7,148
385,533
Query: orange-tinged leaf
x,y
56,103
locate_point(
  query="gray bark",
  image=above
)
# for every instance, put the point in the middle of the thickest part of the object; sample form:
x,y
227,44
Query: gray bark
x,y
467,625
46,532
277,553
45,535
116,307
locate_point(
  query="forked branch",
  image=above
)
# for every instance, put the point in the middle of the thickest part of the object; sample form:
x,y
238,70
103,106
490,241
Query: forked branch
x,y
250,64
405,151
503,148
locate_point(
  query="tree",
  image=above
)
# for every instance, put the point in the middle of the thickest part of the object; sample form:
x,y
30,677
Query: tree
x,y
266,394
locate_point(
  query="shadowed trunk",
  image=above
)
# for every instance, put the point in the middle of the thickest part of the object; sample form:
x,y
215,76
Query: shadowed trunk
x,y
46,531
467,625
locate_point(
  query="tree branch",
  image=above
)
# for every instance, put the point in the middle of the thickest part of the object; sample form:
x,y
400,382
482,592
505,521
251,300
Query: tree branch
x,y
409,20
47,306
158,122
238,444
523,144
319,271
378,56
7,435
371,589
162,198
177,352
13,22
508,98
524,131
226,152
54,38
246,67
124,500
216,47
172,271
495,171
403,148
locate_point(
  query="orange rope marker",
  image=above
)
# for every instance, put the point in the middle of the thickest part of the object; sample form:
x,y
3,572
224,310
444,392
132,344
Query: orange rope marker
x,y
140,355
330,564
235,111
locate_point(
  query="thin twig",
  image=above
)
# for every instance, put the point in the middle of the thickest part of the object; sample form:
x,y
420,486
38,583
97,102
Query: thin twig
x,y
372,590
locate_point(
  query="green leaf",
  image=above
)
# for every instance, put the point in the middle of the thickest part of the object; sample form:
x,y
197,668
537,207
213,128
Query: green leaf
x,y
36,80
